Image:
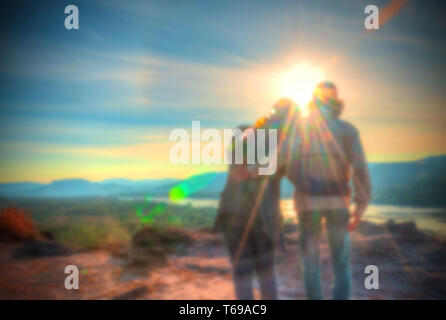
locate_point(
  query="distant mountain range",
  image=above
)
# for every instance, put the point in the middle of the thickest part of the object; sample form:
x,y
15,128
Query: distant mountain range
x,y
420,183
69,188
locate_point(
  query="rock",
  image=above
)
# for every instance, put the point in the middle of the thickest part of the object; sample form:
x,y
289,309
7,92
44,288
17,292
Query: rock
x,y
150,246
132,294
46,235
406,228
406,231
39,249
377,247
369,228
167,239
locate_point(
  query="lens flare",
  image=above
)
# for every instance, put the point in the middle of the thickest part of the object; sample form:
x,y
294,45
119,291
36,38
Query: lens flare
x,y
299,82
190,186
148,210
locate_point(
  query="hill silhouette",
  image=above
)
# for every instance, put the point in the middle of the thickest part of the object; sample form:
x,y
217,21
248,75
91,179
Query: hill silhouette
x,y
419,182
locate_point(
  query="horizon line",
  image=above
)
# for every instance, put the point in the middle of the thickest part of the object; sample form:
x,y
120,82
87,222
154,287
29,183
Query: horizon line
x,y
173,178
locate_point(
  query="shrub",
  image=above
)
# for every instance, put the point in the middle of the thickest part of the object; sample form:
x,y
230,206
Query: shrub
x,y
90,232
15,224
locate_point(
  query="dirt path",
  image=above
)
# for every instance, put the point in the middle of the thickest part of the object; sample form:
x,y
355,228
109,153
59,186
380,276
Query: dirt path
x,y
203,272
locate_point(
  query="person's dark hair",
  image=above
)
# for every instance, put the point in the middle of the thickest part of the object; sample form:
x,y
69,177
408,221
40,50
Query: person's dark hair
x,y
281,115
325,99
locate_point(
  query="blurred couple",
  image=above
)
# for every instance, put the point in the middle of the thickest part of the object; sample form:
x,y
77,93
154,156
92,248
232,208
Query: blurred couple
x,y
322,156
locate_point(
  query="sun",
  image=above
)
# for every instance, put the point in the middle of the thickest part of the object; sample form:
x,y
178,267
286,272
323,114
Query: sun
x,y
299,82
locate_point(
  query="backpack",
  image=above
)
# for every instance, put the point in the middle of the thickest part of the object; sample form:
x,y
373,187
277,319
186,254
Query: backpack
x,y
320,167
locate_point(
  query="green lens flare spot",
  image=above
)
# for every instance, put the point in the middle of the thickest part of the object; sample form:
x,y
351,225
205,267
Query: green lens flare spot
x,y
178,193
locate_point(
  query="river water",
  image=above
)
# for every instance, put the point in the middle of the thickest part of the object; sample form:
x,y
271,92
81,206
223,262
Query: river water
x,y
428,219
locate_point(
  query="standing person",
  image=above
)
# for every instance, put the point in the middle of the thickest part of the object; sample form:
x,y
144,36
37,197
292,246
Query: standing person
x,y
249,217
329,155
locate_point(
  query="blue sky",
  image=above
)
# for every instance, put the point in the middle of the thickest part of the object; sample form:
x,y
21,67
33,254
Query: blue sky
x,y
99,102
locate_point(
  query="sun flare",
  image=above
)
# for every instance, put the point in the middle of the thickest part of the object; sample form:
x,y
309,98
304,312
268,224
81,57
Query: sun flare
x,y
299,82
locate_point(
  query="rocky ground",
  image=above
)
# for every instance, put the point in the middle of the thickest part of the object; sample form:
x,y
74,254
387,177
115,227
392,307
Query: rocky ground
x,y
184,264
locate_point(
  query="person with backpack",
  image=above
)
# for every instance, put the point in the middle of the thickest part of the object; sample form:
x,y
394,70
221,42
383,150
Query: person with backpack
x,y
327,157
249,215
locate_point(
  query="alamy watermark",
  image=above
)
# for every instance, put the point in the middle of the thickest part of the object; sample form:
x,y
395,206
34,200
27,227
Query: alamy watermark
x,y
372,280
188,150
72,280
371,22
72,20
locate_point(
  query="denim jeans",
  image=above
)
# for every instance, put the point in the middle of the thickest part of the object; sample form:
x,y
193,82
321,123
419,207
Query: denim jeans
x,y
339,244
256,257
